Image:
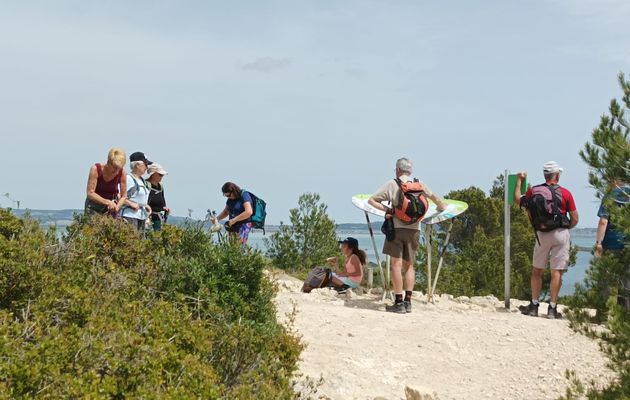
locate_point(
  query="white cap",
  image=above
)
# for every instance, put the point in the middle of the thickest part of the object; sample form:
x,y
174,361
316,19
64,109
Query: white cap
x,y
552,167
156,168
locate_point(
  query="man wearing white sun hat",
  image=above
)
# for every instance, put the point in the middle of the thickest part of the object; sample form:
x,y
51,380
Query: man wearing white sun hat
x,y
552,212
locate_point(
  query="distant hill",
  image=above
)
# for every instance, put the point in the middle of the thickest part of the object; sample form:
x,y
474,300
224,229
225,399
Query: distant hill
x,y
62,218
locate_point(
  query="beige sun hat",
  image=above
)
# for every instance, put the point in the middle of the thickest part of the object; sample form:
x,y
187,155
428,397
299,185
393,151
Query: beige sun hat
x,y
156,169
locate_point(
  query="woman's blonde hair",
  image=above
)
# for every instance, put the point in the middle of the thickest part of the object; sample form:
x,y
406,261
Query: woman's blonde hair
x,y
116,158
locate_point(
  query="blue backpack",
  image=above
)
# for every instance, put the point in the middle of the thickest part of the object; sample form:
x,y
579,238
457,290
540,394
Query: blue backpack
x,y
259,207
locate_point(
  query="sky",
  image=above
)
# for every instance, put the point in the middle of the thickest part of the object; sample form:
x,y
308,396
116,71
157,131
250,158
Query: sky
x,y
288,97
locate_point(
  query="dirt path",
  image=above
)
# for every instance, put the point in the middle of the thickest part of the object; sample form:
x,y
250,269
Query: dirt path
x,y
455,349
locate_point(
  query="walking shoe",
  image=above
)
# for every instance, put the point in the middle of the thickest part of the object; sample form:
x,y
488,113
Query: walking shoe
x,y
531,309
407,306
398,308
552,313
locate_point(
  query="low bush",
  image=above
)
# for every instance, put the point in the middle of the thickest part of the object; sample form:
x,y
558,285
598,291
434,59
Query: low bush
x,y
104,314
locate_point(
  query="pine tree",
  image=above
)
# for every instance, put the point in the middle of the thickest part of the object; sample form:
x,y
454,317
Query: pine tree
x,y
608,156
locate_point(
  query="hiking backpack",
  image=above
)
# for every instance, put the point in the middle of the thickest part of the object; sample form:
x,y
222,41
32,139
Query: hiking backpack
x,y
259,209
412,204
317,278
544,208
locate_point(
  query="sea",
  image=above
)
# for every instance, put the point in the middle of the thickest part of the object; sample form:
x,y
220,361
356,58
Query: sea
x,y
584,239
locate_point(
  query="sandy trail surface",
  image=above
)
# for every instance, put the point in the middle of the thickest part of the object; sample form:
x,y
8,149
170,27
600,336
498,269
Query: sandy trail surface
x,y
455,349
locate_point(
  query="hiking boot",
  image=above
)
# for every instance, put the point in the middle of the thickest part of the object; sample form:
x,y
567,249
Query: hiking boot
x,y
531,309
552,313
398,308
407,306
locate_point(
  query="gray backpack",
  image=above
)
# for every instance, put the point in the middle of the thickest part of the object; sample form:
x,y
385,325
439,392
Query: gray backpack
x,y
317,278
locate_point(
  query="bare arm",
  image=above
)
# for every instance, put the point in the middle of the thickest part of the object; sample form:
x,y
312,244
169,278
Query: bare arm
x,y
377,204
244,215
223,214
575,218
441,206
91,190
517,188
123,191
599,237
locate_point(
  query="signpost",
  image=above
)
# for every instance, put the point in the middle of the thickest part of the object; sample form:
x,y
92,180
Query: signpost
x,y
506,225
509,187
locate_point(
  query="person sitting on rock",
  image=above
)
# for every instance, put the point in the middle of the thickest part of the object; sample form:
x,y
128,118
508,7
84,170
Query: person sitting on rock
x,y
352,275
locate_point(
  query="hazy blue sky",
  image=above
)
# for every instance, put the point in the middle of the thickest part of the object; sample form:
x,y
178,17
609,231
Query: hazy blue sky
x,y
285,97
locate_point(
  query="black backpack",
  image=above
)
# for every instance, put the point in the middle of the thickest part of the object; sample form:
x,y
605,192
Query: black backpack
x,y
544,208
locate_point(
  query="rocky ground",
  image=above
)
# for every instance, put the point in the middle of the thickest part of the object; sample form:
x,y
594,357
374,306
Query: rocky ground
x,y
454,349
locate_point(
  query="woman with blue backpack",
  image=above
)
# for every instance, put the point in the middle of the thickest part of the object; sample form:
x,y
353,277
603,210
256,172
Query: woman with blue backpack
x,y
239,208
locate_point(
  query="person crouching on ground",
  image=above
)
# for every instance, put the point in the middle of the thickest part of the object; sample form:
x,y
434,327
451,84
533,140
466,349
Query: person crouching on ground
x,y
137,210
552,212
157,202
404,246
239,209
105,185
352,275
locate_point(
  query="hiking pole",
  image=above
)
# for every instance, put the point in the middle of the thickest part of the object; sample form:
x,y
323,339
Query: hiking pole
x,y
378,258
444,246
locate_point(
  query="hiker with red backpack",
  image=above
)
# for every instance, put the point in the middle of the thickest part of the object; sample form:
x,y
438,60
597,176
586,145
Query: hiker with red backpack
x,y
407,198
552,211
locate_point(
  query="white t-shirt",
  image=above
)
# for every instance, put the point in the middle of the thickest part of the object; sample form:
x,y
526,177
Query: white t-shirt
x,y
138,193
390,191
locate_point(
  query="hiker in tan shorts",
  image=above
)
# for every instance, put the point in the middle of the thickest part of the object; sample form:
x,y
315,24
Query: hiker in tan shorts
x,y
404,246
552,211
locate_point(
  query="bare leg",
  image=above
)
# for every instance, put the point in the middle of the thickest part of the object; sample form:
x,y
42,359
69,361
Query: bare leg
x,y
396,266
556,284
537,274
336,282
410,275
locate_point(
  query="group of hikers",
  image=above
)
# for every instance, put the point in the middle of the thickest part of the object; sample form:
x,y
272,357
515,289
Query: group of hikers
x,y
140,201
404,200
137,200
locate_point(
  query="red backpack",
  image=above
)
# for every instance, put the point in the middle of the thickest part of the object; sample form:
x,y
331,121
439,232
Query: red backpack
x,y
412,205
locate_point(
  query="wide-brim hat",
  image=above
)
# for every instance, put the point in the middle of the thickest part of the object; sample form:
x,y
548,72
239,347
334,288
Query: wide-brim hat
x,y
156,169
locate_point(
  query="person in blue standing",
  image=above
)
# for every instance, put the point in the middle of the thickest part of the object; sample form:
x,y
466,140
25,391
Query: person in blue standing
x,y
239,209
609,238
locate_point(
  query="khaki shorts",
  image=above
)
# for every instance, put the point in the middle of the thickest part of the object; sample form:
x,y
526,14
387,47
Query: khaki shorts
x,y
553,250
405,245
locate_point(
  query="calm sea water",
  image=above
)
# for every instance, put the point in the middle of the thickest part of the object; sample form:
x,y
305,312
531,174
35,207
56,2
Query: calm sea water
x,y
574,275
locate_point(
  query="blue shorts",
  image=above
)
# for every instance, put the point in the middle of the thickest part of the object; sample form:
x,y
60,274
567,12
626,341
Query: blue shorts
x,y
347,281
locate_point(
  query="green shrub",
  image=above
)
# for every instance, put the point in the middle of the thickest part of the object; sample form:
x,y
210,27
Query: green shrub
x,y
108,315
308,241
474,265
607,156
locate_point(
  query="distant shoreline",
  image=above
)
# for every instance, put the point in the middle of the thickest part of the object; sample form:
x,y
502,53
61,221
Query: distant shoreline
x,y
62,218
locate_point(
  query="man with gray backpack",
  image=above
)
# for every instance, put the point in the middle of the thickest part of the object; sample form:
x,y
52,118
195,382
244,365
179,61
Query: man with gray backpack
x,y
552,211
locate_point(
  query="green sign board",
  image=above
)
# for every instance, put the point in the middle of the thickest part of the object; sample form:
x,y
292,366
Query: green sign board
x,y
512,185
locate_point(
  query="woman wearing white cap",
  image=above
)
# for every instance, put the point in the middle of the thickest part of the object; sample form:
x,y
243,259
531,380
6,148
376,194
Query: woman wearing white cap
x,y
157,202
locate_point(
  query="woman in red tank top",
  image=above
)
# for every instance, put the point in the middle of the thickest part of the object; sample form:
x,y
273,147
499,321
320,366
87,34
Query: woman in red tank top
x,y
106,190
